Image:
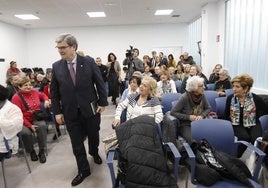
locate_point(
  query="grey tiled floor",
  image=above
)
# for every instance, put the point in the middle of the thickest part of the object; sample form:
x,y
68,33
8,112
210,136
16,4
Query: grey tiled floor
x,y
60,167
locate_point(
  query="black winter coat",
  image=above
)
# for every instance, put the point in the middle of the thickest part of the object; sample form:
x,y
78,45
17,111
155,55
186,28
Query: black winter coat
x,y
140,145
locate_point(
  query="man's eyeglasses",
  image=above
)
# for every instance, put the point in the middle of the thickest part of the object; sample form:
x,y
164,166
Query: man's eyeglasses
x,y
62,47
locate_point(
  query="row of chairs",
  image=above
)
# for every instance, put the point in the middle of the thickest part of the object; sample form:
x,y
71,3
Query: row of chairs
x,y
220,135
217,103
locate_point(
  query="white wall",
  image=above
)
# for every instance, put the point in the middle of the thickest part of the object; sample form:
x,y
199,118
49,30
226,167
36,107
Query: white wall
x,y
213,21
13,47
99,41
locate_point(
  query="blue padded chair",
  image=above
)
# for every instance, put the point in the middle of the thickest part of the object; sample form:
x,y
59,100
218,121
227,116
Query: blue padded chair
x,y
220,135
167,100
220,106
229,92
9,155
178,85
264,122
211,96
210,86
166,146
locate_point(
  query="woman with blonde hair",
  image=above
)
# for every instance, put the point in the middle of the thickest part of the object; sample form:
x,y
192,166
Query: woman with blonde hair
x,y
143,103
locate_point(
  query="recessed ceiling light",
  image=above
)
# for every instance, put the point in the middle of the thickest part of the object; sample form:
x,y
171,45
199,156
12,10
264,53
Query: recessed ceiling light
x,y
96,14
26,16
163,12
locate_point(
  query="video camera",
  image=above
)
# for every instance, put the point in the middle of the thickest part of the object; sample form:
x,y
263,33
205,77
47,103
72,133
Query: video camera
x,y
130,53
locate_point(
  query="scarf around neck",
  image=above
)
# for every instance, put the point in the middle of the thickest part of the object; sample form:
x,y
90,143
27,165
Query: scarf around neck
x,y
195,102
249,111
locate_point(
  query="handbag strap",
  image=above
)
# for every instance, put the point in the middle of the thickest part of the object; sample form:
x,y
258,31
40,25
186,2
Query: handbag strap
x,y
23,101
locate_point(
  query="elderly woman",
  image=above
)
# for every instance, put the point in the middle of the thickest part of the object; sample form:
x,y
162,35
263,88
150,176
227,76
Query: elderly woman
x,y
11,123
192,106
223,83
243,109
143,103
33,100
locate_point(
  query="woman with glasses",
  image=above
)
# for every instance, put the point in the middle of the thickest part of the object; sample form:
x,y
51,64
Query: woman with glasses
x,y
31,126
192,106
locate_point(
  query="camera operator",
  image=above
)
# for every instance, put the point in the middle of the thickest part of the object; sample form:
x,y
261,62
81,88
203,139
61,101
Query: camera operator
x,y
133,62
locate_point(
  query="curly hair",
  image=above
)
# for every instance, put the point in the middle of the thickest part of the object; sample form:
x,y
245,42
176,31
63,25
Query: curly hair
x,y
245,81
193,82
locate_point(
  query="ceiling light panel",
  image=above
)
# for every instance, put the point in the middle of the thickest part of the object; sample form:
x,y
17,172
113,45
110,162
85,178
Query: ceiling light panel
x,y
26,16
163,12
96,14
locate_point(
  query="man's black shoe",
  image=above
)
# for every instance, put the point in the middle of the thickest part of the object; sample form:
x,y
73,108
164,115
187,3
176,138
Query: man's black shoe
x,y
33,156
97,159
80,178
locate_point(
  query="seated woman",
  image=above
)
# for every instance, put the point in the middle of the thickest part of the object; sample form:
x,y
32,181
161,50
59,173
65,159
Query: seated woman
x,y
223,83
143,103
165,85
134,84
11,122
243,109
33,99
191,106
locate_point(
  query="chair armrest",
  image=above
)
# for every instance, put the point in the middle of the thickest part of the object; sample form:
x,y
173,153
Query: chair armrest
x,y
109,161
177,157
259,160
191,156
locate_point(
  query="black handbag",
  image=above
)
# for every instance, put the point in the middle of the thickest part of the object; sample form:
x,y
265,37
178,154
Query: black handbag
x,y
38,115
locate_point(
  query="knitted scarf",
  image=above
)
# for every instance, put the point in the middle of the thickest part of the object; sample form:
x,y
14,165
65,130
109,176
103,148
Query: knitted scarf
x,y
249,111
195,101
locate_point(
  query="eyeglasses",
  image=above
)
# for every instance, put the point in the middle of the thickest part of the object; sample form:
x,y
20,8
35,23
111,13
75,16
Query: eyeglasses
x,y
62,47
27,85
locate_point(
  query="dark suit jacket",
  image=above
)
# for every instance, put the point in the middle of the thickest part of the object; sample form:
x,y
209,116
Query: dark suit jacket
x,y
66,97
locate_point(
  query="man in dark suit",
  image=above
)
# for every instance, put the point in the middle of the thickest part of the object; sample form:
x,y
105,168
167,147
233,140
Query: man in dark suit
x,y
78,98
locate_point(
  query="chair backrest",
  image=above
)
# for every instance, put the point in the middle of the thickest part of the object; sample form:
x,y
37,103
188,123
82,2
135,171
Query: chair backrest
x,y
210,86
229,92
211,96
167,100
220,106
219,133
264,123
178,85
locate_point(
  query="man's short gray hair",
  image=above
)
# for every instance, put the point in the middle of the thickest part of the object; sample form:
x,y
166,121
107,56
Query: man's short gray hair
x,y
68,38
193,82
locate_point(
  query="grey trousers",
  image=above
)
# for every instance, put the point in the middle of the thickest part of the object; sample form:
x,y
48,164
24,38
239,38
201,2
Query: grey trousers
x,y
28,136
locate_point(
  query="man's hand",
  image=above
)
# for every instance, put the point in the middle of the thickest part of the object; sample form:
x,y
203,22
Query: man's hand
x,y
100,109
59,119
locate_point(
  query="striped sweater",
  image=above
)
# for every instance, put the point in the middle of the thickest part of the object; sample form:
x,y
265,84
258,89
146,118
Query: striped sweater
x,y
152,107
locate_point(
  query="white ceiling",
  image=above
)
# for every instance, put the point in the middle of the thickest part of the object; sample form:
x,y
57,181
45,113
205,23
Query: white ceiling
x,y
72,13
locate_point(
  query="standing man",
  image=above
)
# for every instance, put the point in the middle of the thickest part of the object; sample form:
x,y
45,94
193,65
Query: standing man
x,y
134,64
104,71
78,98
